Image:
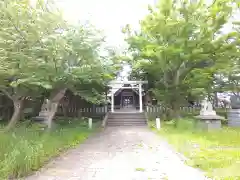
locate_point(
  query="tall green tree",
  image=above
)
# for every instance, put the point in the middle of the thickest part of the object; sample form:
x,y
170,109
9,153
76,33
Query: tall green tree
x,y
23,27
40,50
180,43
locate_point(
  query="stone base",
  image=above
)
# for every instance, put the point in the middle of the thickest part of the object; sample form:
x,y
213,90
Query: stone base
x,y
209,122
234,117
209,117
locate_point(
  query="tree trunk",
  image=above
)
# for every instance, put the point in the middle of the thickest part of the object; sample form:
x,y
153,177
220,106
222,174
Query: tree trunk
x,y
148,99
175,98
8,108
64,109
65,105
49,106
176,110
18,107
51,113
215,99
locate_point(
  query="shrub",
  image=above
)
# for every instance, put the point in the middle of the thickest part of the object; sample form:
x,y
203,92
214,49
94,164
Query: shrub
x,y
26,149
215,151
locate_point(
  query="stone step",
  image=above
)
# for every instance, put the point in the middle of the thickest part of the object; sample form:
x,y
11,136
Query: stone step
x,y
142,125
127,124
126,114
126,117
129,121
126,120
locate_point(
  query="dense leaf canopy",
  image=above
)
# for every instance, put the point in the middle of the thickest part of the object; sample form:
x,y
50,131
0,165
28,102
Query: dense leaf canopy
x,y
39,49
41,52
181,46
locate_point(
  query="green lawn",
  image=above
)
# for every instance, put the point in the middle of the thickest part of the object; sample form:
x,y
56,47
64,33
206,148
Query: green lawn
x,y
27,148
216,152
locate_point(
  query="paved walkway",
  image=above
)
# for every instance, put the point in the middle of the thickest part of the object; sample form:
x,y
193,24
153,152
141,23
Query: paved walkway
x,y
124,153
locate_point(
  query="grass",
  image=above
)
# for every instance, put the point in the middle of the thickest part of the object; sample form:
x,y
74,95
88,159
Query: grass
x,y
28,148
217,152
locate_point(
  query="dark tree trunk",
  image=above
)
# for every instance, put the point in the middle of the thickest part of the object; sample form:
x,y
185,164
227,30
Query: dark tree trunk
x,y
49,107
176,98
148,99
176,110
18,107
64,109
175,107
8,109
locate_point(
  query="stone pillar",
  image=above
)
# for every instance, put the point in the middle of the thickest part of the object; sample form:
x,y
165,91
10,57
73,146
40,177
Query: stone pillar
x,y
233,117
112,102
158,123
90,123
140,98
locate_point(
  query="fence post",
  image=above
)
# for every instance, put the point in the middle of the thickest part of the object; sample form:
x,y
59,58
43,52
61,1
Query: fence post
x,y
90,123
158,124
94,109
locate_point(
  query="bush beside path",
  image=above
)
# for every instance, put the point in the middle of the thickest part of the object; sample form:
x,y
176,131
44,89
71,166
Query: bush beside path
x,y
26,149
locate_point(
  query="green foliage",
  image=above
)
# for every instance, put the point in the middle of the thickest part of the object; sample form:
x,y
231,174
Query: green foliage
x,y
180,47
39,49
27,149
230,80
216,152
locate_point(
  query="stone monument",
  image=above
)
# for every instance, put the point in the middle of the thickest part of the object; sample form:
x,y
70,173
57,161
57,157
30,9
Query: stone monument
x,y
234,113
208,118
43,114
207,109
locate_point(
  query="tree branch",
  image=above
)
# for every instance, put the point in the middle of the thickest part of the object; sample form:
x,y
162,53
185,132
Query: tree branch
x,y
16,28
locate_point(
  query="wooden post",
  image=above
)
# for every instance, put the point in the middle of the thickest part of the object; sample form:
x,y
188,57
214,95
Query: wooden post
x,y
112,102
105,108
140,97
158,123
90,123
121,104
94,109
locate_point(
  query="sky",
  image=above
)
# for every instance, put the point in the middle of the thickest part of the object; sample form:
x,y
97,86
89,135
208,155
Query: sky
x,y
108,15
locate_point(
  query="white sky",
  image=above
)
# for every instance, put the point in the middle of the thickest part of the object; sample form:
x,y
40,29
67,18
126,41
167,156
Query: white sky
x,y
109,15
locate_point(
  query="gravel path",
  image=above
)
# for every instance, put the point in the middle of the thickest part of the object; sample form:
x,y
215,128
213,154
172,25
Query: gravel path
x,y
121,153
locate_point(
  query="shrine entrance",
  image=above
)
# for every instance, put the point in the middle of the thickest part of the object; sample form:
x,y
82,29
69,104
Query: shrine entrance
x,y
127,96
127,101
